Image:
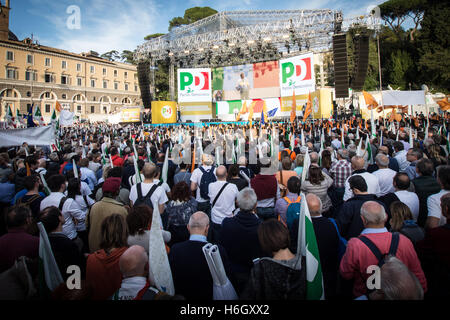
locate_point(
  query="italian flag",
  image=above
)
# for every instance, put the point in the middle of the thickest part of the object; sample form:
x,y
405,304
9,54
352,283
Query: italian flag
x,y
369,150
307,247
38,115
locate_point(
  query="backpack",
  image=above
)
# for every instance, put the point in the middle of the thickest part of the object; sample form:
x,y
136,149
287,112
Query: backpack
x,y
141,200
377,253
207,178
342,241
293,211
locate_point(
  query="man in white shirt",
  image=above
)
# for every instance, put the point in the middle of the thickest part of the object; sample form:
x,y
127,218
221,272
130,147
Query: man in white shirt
x,y
222,203
435,217
87,175
358,165
401,184
159,196
203,204
400,155
70,209
336,143
384,174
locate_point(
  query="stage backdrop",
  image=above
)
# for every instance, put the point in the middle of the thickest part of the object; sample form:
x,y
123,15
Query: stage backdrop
x,y
263,80
297,73
130,114
194,94
164,112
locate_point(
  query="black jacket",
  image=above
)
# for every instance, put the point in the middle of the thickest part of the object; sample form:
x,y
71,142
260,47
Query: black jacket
x,y
66,254
276,280
425,186
191,276
239,237
349,217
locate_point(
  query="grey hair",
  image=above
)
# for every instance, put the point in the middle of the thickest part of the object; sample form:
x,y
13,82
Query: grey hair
x,y
312,195
398,282
343,153
314,157
382,160
198,220
247,199
428,142
373,212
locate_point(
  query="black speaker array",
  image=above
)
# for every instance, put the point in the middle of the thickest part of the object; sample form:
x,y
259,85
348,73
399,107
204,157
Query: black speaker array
x,y
143,69
361,62
340,65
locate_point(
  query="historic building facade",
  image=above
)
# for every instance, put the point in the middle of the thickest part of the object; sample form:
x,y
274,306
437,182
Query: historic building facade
x,y
82,83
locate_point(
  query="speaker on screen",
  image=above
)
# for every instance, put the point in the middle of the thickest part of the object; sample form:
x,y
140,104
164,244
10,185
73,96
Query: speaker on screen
x,y
340,65
143,69
361,62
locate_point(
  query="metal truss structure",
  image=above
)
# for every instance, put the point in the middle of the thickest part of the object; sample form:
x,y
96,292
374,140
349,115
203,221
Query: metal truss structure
x,y
228,37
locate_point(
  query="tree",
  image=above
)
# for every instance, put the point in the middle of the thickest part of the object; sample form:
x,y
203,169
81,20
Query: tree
x,y
154,35
191,15
401,65
112,55
128,56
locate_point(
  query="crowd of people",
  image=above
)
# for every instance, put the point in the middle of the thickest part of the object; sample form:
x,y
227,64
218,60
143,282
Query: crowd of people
x,y
385,204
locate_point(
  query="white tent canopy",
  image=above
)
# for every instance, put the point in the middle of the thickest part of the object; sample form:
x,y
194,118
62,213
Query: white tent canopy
x,y
403,98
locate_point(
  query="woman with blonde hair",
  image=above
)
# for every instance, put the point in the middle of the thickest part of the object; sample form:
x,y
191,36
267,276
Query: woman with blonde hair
x,y
402,221
299,164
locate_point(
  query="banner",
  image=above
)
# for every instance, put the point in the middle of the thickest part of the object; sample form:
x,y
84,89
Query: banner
x,y
195,111
227,110
403,98
39,136
194,85
130,114
66,118
297,73
164,112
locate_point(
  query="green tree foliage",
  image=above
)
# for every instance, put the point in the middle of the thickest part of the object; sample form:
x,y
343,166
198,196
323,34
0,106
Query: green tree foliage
x,y
191,15
112,55
128,56
401,65
154,35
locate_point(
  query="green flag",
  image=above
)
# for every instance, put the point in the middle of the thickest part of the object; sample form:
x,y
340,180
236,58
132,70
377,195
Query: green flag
x,y
369,150
307,247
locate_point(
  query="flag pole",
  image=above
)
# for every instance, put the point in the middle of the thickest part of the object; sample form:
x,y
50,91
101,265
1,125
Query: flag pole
x,y
379,71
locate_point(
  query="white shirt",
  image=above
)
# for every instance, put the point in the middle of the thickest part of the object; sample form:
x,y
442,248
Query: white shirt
x,y
401,159
385,180
70,210
197,177
411,200
130,287
85,190
434,206
94,166
336,144
81,226
225,204
89,175
373,186
164,185
159,196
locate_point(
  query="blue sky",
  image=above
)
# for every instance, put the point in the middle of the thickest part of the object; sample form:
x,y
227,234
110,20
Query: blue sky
x,y
122,24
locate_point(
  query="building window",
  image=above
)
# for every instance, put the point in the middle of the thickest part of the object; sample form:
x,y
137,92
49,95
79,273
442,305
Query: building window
x,y
126,75
64,96
28,94
135,76
64,80
126,86
64,64
9,55
105,84
78,97
11,73
30,76
47,108
116,86
136,88
48,78
48,62
79,82
30,59
105,110
92,109
79,108
115,73
94,98
92,69
92,83
104,71
78,67
47,95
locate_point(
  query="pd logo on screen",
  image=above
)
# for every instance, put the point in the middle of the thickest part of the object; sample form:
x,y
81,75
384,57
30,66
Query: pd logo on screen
x,y
167,112
190,82
294,72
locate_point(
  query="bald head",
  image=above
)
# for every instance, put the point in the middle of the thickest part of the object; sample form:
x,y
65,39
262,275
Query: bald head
x,y
242,161
314,204
221,173
149,171
133,261
358,163
373,215
198,224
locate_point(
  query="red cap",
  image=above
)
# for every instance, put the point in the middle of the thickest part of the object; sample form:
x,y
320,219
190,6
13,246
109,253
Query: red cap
x,y
111,185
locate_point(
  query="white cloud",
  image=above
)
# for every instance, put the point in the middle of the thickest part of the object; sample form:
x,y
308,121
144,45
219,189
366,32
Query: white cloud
x,y
105,26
